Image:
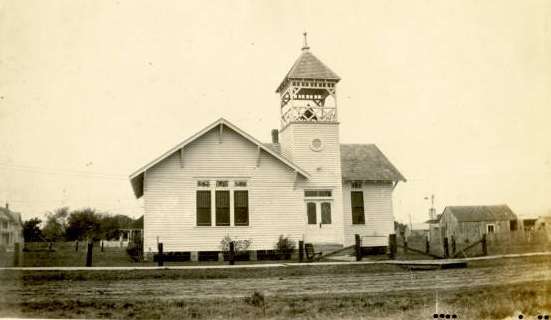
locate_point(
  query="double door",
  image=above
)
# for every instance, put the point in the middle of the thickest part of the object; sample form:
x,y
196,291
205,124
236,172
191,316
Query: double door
x,y
319,221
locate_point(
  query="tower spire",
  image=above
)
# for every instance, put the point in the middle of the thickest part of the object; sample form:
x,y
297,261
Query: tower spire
x,y
305,47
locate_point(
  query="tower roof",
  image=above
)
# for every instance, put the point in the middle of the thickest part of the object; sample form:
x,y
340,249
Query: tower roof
x,y
308,66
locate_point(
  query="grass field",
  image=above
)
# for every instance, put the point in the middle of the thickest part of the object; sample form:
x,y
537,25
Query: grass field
x,y
496,302
380,291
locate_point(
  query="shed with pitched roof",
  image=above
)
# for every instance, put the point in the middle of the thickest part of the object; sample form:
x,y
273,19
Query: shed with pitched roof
x,y
466,224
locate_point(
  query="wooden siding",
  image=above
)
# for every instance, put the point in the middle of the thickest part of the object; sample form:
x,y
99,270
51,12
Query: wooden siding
x,y
379,218
324,166
465,232
275,208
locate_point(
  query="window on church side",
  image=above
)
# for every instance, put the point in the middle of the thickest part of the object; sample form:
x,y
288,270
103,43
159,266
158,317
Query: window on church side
x,y
325,213
222,208
220,200
203,208
311,212
357,200
241,207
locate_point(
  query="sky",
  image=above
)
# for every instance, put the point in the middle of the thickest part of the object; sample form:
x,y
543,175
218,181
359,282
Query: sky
x,y
457,94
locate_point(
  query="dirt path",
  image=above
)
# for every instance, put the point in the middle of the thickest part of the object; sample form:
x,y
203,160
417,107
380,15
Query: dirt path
x,y
304,285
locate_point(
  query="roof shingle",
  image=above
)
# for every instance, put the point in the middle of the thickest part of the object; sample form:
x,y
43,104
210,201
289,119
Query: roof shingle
x,y
362,162
367,162
481,213
308,66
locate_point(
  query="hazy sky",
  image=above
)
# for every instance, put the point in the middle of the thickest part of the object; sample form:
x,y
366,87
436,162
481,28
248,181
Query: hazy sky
x,y
457,94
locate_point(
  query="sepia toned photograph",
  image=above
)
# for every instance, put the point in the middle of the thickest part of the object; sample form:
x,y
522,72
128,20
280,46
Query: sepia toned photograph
x,y
275,159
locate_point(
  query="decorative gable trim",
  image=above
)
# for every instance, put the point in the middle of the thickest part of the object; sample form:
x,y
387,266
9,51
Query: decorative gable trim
x,y
137,178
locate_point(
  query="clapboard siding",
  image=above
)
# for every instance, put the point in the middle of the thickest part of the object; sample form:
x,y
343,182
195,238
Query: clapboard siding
x,y
170,204
324,166
379,219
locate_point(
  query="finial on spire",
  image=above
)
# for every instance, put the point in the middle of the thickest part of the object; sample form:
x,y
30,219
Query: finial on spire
x,y
305,47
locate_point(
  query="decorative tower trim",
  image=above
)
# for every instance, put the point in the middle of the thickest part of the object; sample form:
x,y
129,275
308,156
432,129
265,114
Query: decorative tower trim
x,y
305,90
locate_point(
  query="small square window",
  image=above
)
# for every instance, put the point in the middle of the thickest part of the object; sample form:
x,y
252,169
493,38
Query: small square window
x,y
318,193
490,228
240,183
356,184
203,183
222,183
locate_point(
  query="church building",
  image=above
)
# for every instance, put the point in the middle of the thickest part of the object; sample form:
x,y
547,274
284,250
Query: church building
x,y
304,185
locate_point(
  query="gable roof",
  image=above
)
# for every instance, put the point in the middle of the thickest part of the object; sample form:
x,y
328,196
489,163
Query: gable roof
x,y
137,178
10,215
307,66
367,162
481,213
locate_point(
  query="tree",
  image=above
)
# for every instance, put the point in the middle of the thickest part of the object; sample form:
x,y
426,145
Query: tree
x,y
31,230
56,224
111,225
138,223
84,224
400,229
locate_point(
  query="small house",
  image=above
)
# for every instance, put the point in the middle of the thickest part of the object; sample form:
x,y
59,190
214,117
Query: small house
x,y
11,229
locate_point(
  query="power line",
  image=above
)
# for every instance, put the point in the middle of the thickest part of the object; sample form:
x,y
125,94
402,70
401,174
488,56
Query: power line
x,y
5,166
74,200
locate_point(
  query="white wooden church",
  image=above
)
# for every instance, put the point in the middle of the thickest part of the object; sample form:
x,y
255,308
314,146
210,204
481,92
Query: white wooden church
x,y
304,184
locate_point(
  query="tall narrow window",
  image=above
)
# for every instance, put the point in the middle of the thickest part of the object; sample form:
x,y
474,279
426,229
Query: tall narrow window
x,y
241,207
326,213
357,199
222,208
311,212
203,208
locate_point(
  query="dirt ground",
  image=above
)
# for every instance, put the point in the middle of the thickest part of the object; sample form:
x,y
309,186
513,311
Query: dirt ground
x,y
27,295
282,286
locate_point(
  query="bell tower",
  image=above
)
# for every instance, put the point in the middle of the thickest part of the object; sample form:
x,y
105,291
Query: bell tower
x,y
308,91
309,136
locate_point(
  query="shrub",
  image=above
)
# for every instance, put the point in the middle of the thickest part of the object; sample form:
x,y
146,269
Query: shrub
x,y
240,246
257,300
284,247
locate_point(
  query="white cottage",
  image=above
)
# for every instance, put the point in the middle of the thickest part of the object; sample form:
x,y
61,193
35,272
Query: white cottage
x,y
304,185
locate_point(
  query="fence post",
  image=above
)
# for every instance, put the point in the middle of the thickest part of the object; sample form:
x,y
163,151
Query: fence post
x,y
101,245
427,244
358,247
446,249
160,258
392,245
232,253
300,250
453,246
76,246
16,254
484,245
405,245
89,254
